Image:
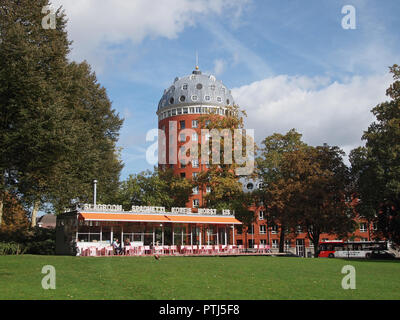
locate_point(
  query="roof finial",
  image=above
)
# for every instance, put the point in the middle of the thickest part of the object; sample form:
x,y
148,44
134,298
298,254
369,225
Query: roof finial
x,y
197,61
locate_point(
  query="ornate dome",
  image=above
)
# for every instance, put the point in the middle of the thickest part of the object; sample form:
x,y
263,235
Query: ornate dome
x,y
196,89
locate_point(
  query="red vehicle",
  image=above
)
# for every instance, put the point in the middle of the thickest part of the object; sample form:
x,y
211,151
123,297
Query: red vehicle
x,y
350,249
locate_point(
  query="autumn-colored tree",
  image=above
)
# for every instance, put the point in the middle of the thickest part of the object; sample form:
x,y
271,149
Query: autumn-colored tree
x,y
317,183
376,167
15,217
226,162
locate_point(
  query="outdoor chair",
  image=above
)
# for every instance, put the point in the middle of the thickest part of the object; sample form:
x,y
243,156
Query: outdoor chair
x,y
167,249
147,250
173,249
109,251
208,249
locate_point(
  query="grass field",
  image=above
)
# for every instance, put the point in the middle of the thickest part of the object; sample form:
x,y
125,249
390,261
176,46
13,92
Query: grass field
x,y
195,278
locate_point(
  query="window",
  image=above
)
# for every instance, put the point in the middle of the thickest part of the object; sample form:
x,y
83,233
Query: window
x,y
194,174
208,189
183,175
363,227
174,112
183,165
208,122
263,229
185,110
182,137
212,87
196,190
263,241
199,86
375,226
250,229
287,244
250,186
198,110
195,163
194,136
185,86
171,100
195,98
182,124
196,203
299,229
195,123
182,98
219,99
207,98
274,229
275,244
179,111
261,215
227,101
239,229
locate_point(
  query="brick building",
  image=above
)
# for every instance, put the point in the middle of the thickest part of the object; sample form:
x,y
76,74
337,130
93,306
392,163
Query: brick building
x,y
179,110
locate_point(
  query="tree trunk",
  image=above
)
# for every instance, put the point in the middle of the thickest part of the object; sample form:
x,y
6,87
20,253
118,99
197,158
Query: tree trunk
x,y
315,241
35,210
282,239
1,207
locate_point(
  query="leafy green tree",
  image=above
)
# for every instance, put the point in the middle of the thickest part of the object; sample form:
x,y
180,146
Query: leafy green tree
x,y
376,167
57,129
319,183
158,188
274,193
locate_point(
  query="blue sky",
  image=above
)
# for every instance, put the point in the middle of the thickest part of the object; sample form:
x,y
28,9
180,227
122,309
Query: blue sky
x,y
290,64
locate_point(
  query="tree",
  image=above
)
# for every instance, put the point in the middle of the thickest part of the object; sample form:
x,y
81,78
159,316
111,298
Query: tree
x,y
376,167
317,181
58,131
32,131
15,217
222,178
158,188
274,193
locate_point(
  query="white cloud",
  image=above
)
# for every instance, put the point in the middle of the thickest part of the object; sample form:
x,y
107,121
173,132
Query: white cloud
x,y
322,110
219,66
92,23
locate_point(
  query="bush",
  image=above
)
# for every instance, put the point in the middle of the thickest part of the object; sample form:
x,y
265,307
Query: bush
x,y
32,241
46,247
11,248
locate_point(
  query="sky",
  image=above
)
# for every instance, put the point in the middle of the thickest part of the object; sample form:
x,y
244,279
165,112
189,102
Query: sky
x,y
289,64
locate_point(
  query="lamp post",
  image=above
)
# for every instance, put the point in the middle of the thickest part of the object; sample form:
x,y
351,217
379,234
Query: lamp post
x,y
94,191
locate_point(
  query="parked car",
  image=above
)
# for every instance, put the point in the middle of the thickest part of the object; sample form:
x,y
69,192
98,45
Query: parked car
x,y
381,254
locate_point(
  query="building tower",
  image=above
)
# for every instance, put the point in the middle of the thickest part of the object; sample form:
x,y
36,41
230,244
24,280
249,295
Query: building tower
x,y
181,105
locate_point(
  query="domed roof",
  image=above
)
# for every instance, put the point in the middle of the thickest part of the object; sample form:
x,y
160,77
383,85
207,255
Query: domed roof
x,y
195,89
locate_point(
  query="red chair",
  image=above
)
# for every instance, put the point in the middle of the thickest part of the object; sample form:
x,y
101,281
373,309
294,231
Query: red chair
x,y
109,251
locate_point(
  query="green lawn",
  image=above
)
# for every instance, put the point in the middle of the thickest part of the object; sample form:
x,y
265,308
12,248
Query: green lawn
x,y
196,278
